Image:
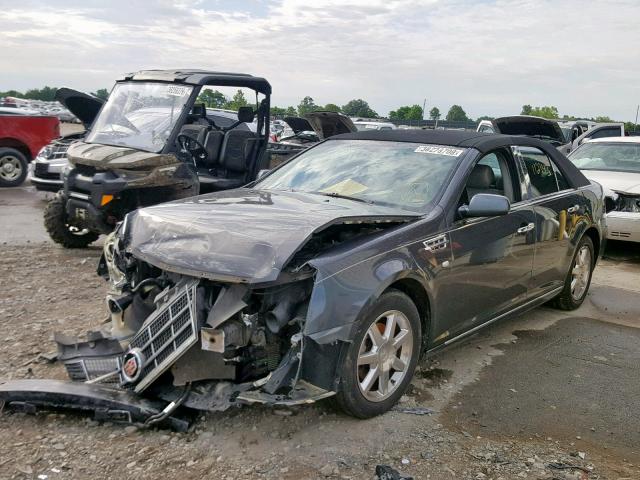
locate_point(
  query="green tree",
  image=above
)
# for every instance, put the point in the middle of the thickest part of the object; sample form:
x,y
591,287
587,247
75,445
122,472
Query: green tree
x,y
291,112
332,107
603,119
12,93
484,117
457,114
45,93
545,112
237,101
358,108
526,110
413,112
101,93
434,113
213,98
307,105
278,111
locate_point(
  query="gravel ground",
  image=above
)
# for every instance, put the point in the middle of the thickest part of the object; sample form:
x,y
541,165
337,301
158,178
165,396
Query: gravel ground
x,y
46,288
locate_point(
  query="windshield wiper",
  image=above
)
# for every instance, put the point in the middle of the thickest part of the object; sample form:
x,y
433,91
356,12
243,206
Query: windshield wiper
x,y
340,195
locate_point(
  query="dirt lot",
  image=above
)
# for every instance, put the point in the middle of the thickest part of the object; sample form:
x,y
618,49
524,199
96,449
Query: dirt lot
x,y
545,387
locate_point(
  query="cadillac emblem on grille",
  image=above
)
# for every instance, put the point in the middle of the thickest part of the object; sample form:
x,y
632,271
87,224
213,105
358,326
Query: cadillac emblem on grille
x,y
163,338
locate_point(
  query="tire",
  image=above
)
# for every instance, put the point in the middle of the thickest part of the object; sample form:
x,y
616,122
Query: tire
x,y
55,222
573,296
354,398
13,167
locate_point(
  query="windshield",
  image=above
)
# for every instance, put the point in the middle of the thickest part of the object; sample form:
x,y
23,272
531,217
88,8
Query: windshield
x,y
397,174
620,157
140,115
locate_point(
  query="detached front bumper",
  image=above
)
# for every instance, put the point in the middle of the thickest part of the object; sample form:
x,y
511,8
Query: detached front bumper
x,y
623,226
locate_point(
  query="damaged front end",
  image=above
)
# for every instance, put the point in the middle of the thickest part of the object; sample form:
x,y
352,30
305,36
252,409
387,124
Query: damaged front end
x,y
227,342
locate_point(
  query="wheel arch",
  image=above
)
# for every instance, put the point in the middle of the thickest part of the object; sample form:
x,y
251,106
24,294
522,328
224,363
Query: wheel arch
x,y
415,290
593,233
8,142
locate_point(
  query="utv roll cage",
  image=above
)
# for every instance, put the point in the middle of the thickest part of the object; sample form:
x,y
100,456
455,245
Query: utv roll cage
x,y
232,157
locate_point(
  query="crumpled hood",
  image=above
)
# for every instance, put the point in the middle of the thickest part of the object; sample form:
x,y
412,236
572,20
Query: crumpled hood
x,y
240,235
623,182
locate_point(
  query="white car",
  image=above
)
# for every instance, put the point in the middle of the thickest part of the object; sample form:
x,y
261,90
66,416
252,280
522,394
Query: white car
x,y
615,164
368,126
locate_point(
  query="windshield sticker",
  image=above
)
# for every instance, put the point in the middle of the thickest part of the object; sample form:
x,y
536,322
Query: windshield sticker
x,y
439,150
345,187
177,91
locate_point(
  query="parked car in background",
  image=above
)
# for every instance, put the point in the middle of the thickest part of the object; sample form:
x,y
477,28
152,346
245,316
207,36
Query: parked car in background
x,y
364,126
303,132
52,159
21,138
600,130
526,125
615,164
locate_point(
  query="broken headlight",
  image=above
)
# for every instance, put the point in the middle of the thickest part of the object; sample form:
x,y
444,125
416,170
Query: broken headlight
x,y
628,203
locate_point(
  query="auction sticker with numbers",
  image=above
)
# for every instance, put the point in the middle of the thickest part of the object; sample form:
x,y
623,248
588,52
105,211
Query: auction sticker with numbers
x,y
177,91
439,150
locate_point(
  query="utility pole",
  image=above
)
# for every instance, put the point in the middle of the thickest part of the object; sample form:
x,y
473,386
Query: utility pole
x,y
635,125
424,105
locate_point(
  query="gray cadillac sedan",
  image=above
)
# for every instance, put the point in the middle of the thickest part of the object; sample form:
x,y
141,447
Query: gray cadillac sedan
x,y
332,274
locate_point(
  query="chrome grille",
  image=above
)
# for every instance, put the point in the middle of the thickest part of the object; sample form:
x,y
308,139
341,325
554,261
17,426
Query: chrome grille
x,y
167,333
85,369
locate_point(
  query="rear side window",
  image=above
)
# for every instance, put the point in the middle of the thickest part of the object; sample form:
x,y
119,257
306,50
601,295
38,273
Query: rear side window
x,y
562,181
541,171
607,132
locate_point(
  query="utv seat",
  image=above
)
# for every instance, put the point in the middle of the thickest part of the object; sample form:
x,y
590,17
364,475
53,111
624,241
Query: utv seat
x,y
232,166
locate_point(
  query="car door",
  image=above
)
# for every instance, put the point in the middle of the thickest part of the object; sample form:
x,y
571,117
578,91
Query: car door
x,y
491,257
599,131
557,208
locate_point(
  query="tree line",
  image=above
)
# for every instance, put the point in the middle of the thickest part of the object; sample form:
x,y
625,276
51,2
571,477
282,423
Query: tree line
x,y
353,108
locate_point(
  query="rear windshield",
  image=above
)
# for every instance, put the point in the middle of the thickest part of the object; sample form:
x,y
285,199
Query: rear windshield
x,y
619,157
398,174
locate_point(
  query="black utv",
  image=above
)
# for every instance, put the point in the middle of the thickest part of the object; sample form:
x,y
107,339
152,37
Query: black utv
x,y
153,142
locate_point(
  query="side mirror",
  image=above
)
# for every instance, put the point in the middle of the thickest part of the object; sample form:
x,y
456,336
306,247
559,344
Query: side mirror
x,y
485,205
262,173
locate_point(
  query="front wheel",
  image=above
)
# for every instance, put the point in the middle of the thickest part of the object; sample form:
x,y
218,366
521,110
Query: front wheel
x,y
379,363
578,279
13,167
55,222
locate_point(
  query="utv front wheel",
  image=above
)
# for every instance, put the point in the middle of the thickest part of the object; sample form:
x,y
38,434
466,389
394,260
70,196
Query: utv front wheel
x,y
380,362
55,222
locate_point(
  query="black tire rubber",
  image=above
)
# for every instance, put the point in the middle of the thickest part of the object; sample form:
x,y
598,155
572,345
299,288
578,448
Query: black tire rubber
x,y
349,398
55,224
24,163
565,300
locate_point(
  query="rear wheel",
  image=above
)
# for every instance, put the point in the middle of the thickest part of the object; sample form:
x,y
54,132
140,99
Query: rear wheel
x,y
380,362
576,285
13,167
56,224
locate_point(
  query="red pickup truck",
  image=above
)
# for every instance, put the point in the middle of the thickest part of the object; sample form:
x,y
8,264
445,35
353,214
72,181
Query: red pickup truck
x,y
21,138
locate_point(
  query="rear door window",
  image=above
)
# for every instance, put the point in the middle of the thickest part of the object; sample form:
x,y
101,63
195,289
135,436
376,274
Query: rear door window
x,y
607,132
541,172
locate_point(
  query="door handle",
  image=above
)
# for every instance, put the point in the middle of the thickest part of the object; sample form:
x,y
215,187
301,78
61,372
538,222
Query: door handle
x,y
527,228
573,209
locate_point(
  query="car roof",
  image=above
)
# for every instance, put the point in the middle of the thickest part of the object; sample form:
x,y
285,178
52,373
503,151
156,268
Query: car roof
x,y
481,141
202,77
615,140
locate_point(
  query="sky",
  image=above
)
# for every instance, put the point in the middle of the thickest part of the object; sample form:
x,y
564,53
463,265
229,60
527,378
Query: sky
x,y
490,56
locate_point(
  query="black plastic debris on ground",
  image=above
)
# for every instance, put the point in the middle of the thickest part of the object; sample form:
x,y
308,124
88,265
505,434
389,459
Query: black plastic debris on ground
x,y
385,472
414,410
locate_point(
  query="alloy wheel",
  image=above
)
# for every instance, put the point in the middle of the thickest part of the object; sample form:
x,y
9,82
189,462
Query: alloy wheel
x,y
384,355
10,168
580,273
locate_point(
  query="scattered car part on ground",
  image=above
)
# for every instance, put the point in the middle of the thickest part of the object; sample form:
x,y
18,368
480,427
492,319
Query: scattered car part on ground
x,y
151,143
333,273
21,138
615,164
